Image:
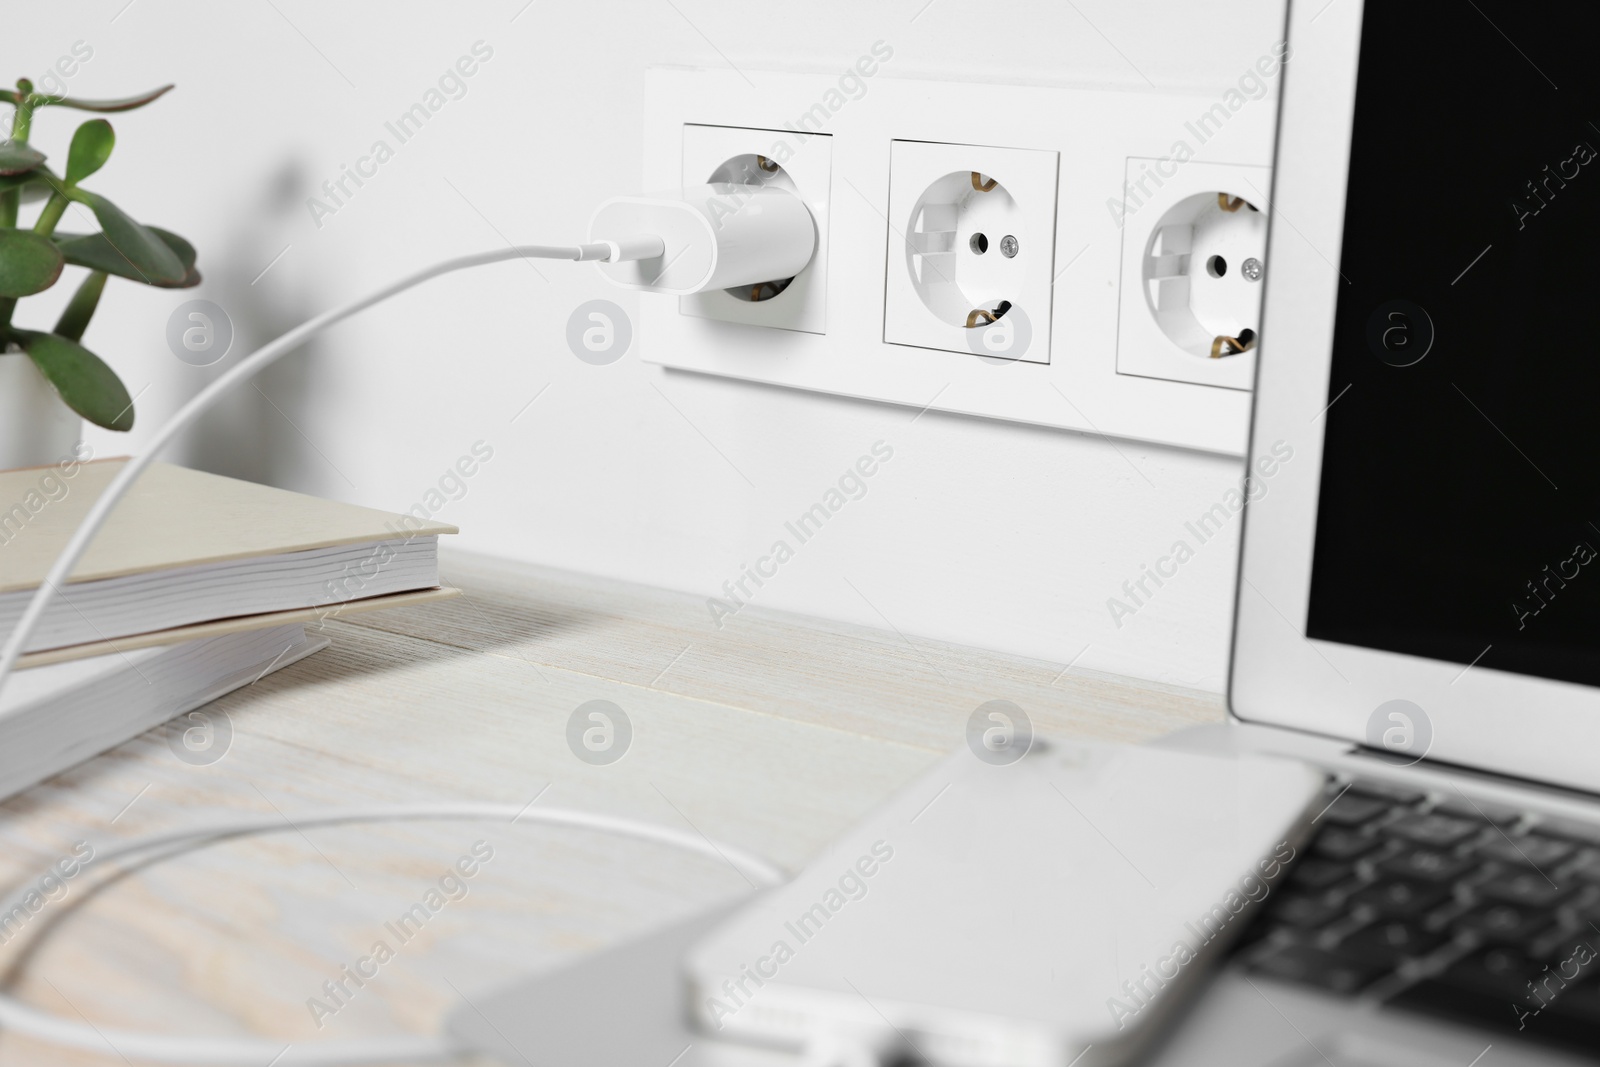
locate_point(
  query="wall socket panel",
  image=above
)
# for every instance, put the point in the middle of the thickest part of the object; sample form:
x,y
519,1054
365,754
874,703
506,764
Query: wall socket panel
x,y
902,177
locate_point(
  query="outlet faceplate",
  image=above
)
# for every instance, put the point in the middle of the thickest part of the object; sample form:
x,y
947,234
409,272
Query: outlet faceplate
x,y
1193,269
844,345
728,153
971,232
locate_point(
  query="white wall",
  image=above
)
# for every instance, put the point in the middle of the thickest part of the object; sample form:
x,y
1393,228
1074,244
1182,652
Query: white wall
x,y
977,532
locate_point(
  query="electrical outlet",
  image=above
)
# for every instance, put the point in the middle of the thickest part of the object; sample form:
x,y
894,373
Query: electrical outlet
x,y
766,157
971,241
868,318
1193,265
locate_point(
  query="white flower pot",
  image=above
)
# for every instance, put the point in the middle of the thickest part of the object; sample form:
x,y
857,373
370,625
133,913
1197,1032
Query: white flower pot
x,y
36,427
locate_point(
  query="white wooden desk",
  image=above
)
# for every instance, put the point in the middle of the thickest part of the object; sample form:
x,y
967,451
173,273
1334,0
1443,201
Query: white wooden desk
x,y
774,733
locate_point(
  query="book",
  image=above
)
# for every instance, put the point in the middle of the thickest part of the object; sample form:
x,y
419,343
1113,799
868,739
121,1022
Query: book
x,y
185,549
58,715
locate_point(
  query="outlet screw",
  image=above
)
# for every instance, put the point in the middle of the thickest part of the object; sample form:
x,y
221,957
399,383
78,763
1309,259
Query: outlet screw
x,y
1252,269
1008,246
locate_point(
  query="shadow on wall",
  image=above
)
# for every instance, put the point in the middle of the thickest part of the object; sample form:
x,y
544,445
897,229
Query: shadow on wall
x,y
252,433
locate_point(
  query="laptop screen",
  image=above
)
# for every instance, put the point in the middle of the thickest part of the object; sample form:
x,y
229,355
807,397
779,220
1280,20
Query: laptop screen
x,y
1459,516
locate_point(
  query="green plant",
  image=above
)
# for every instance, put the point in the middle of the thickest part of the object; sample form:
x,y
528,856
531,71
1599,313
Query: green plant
x,y
32,258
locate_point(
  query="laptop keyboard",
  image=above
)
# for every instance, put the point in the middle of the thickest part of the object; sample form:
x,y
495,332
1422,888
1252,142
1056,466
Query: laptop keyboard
x,y
1445,905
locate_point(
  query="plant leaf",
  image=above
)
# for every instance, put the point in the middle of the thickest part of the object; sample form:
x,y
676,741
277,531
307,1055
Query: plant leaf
x,y
75,317
35,184
28,263
153,262
31,186
88,386
18,157
95,252
16,181
182,249
127,103
91,147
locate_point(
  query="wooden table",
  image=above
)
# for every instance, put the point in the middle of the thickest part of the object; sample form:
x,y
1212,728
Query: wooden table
x,y
775,733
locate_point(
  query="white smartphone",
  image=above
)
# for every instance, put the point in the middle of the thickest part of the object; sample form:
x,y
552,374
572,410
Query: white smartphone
x,y
1039,913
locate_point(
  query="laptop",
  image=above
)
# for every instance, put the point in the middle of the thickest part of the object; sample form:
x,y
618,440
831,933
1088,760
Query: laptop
x,y
1411,611
1418,605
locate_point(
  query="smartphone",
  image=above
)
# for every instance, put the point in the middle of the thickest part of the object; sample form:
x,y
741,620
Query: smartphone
x,y
1039,911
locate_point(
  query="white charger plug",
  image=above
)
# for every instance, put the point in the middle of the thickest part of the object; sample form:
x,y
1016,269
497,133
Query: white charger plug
x,y
717,236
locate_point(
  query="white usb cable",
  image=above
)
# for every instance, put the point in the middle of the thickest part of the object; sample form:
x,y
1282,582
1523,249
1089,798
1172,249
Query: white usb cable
x,y
19,1018
880,1046
56,578
707,237
711,236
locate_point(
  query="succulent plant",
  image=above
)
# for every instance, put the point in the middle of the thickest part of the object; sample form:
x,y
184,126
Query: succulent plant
x,y
33,257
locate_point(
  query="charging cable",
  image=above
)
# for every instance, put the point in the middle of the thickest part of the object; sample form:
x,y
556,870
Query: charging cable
x,y
17,1017
879,1046
56,578
711,236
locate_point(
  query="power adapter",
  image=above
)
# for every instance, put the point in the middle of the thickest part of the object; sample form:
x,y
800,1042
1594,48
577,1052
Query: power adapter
x,y
723,235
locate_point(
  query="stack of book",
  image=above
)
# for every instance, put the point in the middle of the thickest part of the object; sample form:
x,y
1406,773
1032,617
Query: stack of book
x,y
197,585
